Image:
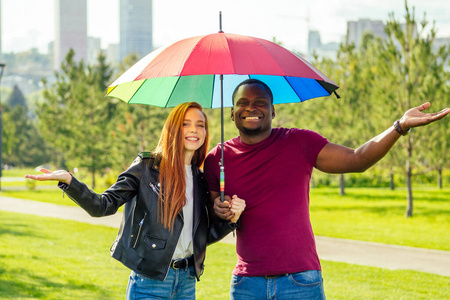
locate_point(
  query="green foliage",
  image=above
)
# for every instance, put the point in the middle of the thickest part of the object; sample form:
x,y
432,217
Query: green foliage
x,y
138,127
9,137
38,64
75,118
22,142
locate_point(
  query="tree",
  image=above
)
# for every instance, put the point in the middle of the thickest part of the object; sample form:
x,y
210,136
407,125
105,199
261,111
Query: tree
x,y
412,67
436,139
16,98
23,145
75,118
8,133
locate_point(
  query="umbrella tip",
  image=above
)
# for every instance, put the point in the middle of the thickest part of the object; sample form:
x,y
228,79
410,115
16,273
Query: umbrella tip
x,y
220,22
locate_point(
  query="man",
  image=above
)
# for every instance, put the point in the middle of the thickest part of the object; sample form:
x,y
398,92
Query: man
x,y
270,168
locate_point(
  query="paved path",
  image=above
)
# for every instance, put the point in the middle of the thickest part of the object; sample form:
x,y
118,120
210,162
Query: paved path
x,y
356,252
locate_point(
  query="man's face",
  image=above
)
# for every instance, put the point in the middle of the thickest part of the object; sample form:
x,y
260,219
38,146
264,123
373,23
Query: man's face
x,y
253,110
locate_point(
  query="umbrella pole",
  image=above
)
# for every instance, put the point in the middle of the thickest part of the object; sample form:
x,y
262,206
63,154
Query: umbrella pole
x,y
222,168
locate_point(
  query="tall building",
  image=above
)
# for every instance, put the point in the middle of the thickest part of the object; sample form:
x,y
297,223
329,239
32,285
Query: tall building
x,y
356,30
315,46
135,28
94,49
314,41
70,30
112,55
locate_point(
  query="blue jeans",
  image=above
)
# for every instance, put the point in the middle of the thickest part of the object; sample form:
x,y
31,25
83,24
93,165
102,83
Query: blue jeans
x,y
179,284
303,285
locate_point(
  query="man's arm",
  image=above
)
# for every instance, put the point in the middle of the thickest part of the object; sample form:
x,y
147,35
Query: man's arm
x,y
334,158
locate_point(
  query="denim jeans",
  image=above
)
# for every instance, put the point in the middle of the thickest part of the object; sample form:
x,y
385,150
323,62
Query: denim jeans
x,y
303,285
179,284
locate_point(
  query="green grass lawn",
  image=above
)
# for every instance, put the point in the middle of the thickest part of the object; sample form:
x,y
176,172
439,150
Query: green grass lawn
x,y
46,258
378,215
54,196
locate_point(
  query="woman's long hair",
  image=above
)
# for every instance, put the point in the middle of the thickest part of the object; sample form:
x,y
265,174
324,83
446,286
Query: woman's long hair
x,y
172,172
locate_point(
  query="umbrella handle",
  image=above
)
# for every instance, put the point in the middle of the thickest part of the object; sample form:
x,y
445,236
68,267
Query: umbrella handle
x,y
222,183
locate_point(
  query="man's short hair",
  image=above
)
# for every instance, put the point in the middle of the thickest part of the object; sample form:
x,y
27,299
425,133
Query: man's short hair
x,y
253,81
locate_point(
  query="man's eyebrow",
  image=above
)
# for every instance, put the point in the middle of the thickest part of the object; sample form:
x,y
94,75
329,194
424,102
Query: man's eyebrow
x,y
258,98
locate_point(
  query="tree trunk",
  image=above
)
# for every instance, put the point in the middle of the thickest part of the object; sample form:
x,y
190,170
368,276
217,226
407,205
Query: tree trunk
x,y
440,178
409,208
93,179
342,185
392,184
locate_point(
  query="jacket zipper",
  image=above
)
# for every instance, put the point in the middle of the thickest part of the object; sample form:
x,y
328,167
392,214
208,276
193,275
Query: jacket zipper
x,y
139,230
156,190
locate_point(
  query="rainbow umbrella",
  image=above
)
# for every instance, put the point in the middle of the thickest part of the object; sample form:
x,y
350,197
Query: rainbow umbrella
x,y
207,68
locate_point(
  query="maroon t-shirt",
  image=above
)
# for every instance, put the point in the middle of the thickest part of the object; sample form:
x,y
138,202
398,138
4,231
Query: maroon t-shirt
x,y
273,177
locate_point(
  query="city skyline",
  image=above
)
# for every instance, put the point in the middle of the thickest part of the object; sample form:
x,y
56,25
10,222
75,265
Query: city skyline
x,y
289,21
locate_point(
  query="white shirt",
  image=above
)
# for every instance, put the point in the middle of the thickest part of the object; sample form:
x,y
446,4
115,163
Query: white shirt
x,y
184,246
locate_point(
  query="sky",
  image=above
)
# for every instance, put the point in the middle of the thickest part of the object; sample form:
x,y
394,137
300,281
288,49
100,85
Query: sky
x,y
30,23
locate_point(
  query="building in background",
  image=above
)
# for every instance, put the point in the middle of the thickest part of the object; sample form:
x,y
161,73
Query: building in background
x,y
112,54
356,30
94,49
136,27
70,30
315,47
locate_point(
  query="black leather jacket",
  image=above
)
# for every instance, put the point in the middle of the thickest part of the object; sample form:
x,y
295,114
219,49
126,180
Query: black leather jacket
x,y
143,244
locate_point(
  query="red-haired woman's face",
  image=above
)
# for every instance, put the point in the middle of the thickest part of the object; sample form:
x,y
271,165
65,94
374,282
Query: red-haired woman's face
x,y
194,129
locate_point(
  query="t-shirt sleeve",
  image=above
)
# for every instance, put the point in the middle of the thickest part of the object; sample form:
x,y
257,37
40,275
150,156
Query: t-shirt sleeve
x,y
311,144
211,169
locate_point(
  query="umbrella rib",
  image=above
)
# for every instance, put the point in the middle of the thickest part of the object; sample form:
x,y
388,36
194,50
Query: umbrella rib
x,y
190,54
135,92
301,100
172,91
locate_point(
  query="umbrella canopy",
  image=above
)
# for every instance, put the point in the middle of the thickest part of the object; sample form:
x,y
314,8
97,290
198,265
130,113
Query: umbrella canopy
x,y
190,69
206,69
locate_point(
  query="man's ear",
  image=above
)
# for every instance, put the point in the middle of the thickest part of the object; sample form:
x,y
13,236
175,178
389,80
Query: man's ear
x,y
232,113
273,112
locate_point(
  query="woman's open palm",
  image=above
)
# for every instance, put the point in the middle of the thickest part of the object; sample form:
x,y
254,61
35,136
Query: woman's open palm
x,y
59,175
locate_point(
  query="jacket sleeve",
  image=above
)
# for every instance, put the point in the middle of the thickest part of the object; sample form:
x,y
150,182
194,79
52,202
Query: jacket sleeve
x,y
218,228
108,202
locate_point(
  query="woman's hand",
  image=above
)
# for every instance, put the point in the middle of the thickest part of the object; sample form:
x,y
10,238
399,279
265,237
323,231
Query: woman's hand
x,y
237,206
59,175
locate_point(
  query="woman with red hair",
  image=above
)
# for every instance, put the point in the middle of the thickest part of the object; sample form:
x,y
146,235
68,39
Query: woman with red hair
x,y
168,218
